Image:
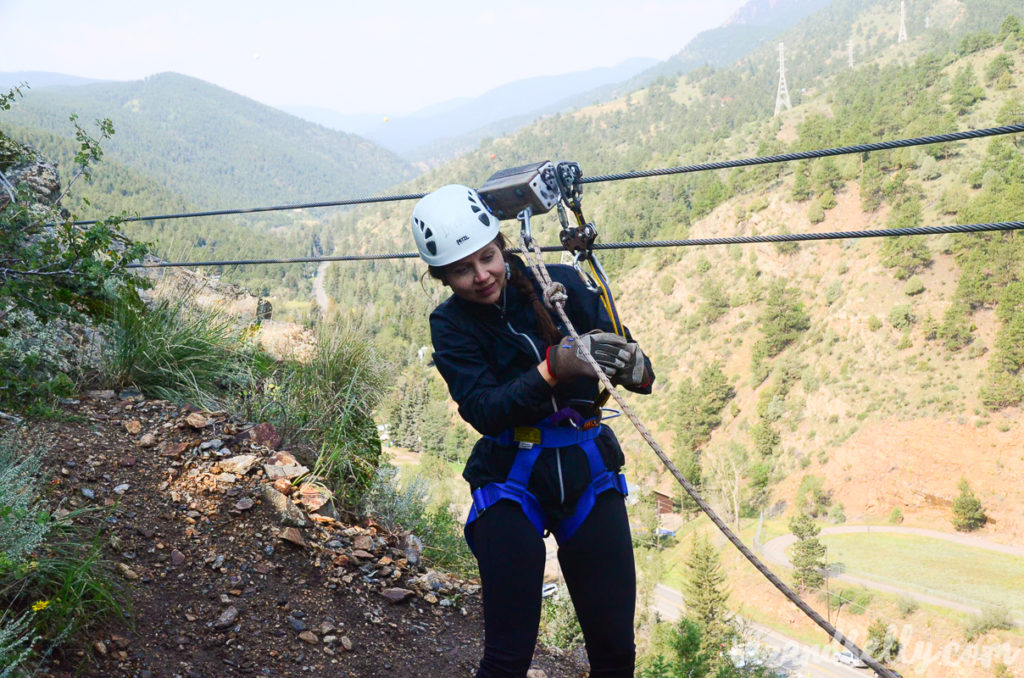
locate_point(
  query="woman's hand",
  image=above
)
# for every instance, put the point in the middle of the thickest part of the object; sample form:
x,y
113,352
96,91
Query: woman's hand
x,y
566,361
633,373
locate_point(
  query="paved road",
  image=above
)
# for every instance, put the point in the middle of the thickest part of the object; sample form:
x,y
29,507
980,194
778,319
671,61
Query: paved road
x,y
774,550
801,660
322,300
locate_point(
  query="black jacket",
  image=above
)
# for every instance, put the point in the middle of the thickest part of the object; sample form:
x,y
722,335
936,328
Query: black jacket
x,y
487,354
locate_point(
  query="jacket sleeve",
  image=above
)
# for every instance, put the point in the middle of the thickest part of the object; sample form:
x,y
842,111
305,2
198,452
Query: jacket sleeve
x,y
489,406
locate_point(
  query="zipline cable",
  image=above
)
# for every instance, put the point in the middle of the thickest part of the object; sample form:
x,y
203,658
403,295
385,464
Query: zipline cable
x,y
636,244
807,155
636,174
555,297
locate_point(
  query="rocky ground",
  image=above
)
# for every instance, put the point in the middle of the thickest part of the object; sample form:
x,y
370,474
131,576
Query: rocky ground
x,y
232,571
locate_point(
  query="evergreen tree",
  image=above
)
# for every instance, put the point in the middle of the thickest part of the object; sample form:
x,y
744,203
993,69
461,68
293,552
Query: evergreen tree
x,y
808,553
802,184
965,91
882,642
908,254
782,321
705,595
968,513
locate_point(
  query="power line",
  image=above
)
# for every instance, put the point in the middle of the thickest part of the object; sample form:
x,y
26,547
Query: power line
x,y
636,174
638,244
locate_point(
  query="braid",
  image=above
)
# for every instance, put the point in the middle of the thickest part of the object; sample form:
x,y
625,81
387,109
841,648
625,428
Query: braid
x,y
545,325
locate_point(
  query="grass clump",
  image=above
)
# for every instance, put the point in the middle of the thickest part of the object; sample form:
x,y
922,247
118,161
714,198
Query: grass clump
x,y
176,351
52,585
326,405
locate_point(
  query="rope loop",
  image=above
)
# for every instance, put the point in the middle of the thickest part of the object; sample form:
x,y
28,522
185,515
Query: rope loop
x,y
554,293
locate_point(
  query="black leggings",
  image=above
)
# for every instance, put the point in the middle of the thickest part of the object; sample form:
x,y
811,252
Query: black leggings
x,y
597,563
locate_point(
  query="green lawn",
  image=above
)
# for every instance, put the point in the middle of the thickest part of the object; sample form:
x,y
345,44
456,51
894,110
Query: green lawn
x,y
932,566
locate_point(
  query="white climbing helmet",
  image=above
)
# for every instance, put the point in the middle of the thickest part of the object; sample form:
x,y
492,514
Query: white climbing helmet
x,y
451,223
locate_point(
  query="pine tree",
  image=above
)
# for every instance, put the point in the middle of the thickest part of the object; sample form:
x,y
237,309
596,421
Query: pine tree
x,y
968,513
705,595
907,254
882,642
808,553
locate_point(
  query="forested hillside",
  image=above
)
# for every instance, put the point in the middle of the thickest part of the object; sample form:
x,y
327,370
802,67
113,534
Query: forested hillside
x,y
181,145
213,147
769,356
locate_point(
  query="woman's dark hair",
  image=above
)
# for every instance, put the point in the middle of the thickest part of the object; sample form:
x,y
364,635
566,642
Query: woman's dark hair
x,y
545,325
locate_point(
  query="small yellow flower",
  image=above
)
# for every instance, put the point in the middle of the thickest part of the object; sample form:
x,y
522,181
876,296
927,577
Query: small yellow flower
x,y
40,605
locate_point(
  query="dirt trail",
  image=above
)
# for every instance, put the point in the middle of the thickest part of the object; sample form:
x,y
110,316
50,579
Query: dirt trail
x,y
319,293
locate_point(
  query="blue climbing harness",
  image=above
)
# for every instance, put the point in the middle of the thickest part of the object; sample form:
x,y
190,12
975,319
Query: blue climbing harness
x,y
531,440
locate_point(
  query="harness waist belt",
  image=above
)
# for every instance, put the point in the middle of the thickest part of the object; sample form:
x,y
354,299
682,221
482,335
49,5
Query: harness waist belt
x,y
532,440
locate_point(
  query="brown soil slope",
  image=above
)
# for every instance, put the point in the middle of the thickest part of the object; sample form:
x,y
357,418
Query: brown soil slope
x,y
220,585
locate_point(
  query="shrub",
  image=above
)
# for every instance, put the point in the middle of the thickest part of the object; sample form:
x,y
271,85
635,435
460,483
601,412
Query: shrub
x,y
990,619
901,316
53,274
913,287
833,292
907,606
667,284
836,514
815,214
854,600
895,516
51,585
558,624
406,508
874,324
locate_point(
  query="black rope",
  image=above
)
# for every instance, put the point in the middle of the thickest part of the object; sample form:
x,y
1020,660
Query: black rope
x,y
639,244
785,157
807,155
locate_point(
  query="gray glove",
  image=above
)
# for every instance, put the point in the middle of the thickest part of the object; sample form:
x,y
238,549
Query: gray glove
x,y
633,373
566,360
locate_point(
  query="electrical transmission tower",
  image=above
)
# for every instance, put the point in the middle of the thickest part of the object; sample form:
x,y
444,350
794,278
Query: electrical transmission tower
x,y
903,22
782,98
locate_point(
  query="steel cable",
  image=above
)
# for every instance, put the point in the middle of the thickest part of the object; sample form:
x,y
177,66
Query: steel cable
x,y
636,174
637,244
807,155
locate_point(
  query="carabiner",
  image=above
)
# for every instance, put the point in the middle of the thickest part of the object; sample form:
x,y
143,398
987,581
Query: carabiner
x,y
588,280
524,219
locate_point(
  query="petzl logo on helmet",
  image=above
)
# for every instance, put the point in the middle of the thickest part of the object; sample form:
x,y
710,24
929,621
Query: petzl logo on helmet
x,y
462,240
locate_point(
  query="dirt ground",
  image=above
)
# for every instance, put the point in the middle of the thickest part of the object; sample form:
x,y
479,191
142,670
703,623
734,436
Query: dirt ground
x,y
225,579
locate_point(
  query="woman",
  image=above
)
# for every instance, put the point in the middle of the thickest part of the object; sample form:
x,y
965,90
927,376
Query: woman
x,y
544,462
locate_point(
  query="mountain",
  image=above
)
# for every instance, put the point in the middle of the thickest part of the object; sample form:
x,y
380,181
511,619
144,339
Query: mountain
x,y
39,79
751,25
515,100
815,342
214,147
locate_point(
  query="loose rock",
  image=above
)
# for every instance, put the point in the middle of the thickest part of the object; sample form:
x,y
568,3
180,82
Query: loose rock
x,y
226,618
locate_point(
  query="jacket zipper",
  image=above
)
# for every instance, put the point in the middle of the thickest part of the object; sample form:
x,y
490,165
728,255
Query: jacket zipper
x,y
558,450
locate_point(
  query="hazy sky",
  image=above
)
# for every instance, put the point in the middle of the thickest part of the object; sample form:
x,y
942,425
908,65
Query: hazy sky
x,y
353,57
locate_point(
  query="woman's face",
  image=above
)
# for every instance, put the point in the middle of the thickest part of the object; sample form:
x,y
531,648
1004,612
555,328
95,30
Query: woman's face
x,y
480,277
